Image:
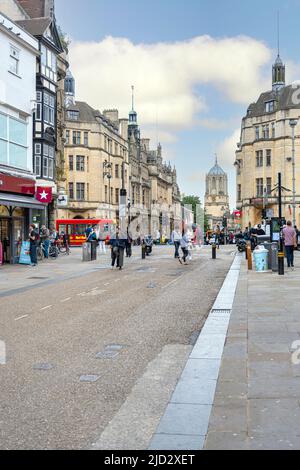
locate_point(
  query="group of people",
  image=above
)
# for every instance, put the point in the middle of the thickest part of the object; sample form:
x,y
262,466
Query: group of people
x,y
117,243
45,237
182,240
290,239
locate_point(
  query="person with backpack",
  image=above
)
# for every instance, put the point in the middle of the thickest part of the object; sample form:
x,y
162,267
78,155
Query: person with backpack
x,y
33,239
45,239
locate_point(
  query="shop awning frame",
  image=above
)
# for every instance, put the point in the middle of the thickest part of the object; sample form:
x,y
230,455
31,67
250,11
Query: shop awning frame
x,y
13,200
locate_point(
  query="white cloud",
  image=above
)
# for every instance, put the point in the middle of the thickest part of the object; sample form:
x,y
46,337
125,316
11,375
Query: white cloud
x,y
167,76
227,148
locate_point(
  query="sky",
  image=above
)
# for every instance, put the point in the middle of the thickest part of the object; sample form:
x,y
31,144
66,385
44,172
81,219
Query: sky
x,y
196,66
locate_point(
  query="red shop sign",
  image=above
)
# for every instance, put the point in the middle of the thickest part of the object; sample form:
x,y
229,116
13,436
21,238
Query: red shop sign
x,y
14,184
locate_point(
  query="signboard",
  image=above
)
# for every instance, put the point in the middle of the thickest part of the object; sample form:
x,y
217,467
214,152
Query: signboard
x,y
44,194
270,213
62,200
24,255
13,184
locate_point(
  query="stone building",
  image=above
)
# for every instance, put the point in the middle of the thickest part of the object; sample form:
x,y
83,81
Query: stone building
x,y
154,193
216,195
37,18
96,162
265,149
18,52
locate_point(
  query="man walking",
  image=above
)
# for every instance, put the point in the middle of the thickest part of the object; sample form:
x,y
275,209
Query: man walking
x,y
33,238
290,241
175,238
45,239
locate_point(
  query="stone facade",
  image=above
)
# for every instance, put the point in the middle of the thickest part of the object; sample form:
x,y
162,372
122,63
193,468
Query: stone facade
x,y
153,183
265,149
216,195
96,162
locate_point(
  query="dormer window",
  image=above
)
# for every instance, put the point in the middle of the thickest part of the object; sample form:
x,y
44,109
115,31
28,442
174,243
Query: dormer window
x,y
73,115
270,106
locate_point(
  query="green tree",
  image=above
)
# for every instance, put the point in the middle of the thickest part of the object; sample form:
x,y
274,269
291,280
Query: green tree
x,y
193,201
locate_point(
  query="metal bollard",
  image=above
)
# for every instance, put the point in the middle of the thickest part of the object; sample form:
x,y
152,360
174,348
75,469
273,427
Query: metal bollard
x,y
214,251
249,257
281,263
143,251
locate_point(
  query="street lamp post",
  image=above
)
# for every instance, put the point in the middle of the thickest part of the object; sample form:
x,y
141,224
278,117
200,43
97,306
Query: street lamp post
x,y
107,174
293,124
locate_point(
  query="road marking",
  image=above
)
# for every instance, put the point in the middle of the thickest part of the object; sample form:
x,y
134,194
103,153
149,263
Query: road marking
x,y
47,307
82,293
66,300
107,284
21,318
117,280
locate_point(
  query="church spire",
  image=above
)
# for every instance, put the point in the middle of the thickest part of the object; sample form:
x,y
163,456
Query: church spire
x,y
132,114
132,88
278,75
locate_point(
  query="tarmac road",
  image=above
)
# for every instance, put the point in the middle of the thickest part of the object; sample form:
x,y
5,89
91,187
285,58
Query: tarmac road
x,y
53,333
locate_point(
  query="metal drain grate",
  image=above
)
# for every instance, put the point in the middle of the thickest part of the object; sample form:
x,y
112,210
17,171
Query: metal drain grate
x,y
38,278
221,311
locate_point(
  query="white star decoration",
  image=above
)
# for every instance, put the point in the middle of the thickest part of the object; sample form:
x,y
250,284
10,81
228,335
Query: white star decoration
x,y
44,195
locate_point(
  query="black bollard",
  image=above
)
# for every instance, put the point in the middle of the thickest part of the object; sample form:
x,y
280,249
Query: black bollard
x,y
281,264
214,252
143,251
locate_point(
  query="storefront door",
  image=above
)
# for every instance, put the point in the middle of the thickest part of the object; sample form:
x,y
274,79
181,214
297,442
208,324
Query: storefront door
x,y
5,227
11,236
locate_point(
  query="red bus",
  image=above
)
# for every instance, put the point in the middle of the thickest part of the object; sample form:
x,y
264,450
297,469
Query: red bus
x,y
76,228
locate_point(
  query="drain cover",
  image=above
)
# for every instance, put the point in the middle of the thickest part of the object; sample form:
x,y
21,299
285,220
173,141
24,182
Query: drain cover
x,y
221,311
114,347
39,278
89,378
152,285
107,354
45,366
146,270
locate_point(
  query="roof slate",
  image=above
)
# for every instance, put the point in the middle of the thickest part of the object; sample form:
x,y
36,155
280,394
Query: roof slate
x,y
283,97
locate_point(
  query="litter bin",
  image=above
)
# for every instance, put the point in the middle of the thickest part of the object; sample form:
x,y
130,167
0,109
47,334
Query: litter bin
x,y
86,252
94,245
268,246
260,256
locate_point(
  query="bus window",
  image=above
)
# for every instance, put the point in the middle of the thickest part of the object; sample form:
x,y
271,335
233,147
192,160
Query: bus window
x,y
62,228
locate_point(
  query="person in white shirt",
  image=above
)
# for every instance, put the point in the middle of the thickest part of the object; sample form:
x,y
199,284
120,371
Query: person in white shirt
x,y
176,238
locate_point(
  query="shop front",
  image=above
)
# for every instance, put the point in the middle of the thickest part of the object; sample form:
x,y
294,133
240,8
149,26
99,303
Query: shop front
x,y
18,210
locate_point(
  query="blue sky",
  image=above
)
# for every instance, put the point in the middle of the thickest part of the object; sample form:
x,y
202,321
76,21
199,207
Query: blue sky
x,y
211,127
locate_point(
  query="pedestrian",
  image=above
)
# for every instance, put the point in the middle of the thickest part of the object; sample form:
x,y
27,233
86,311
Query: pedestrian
x,y
290,243
175,238
128,245
45,239
92,235
102,241
157,237
88,231
297,235
33,238
184,243
117,250
218,236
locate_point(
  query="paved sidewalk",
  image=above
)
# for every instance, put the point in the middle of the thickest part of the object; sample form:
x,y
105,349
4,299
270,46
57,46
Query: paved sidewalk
x,y
257,399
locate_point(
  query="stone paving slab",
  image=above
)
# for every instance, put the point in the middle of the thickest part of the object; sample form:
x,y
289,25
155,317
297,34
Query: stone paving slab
x,y
190,407
257,398
176,441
